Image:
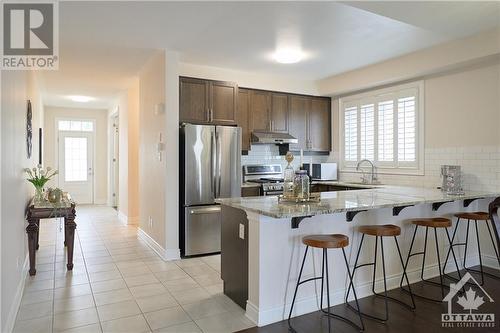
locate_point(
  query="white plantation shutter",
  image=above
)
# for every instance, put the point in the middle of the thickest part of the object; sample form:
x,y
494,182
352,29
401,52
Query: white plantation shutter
x,y
386,131
384,126
351,133
367,129
406,129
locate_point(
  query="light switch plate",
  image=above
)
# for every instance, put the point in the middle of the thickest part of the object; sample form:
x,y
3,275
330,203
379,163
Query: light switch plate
x,y
242,231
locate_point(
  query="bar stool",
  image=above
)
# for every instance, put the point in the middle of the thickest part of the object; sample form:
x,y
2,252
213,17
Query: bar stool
x,y
387,230
475,216
435,223
326,242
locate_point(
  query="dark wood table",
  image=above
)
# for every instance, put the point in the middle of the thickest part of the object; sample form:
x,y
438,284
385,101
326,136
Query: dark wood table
x,y
45,210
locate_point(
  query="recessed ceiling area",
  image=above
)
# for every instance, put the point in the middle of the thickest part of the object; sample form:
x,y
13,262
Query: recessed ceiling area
x,y
103,45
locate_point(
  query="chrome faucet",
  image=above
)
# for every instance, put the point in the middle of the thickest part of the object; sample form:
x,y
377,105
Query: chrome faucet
x,y
373,175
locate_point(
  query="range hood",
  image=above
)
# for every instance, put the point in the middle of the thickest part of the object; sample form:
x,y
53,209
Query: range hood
x,y
272,138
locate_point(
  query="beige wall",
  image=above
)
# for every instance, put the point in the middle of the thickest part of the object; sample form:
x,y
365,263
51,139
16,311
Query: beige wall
x,y
443,57
16,88
101,139
151,170
250,79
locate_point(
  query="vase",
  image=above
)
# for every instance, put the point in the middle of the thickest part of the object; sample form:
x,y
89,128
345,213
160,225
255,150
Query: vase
x,y
39,194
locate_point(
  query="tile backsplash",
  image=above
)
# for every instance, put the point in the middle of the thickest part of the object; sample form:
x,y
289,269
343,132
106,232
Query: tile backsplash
x,y
480,168
269,154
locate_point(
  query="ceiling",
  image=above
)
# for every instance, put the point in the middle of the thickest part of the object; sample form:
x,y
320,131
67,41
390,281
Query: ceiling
x,y
103,45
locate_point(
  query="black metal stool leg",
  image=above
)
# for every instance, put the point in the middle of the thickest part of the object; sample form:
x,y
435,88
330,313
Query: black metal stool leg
x,y
409,255
354,269
466,243
480,255
298,283
493,242
413,306
450,241
439,263
362,328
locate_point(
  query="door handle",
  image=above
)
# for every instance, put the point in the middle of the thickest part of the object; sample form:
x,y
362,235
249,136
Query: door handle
x,y
208,210
219,162
213,163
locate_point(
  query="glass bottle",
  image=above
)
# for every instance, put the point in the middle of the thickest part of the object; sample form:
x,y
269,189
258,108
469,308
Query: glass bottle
x,y
288,177
301,185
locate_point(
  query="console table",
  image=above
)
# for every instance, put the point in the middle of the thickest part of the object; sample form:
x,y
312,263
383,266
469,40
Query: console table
x,y
46,210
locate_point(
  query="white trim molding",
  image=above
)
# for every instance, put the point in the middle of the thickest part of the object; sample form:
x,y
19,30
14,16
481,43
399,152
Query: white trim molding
x,y
122,217
165,254
16,304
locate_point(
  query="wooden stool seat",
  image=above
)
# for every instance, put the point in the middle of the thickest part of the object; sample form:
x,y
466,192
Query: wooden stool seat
x,y
433,222
478,216
334,241
380,230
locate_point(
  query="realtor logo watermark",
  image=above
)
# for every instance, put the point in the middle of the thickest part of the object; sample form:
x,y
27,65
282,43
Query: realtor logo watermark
x,y
469,301
30,35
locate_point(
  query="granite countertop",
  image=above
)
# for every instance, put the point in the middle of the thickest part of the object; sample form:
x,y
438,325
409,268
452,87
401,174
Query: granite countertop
x,y
344,201
346,184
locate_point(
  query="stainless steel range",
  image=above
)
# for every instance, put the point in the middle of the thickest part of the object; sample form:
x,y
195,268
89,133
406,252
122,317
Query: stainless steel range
x,y
269,176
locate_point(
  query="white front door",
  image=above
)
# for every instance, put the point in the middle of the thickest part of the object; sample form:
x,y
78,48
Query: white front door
x,y
76,171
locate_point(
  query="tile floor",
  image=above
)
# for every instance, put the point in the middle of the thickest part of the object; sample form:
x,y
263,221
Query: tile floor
x,y
119,284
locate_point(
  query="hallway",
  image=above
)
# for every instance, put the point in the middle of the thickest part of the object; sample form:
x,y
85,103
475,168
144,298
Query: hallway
x,y
119,284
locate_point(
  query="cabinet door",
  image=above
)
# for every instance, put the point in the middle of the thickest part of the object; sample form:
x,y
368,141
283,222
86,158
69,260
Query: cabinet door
x,y
319,125
260,102
299,108
193,100
223,102
242,117
279,112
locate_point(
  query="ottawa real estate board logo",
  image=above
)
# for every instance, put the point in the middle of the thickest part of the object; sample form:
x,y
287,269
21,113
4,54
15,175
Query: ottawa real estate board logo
x,y
30,35
472,297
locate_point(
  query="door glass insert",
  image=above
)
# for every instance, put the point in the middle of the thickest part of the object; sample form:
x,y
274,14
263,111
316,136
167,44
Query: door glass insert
x,y
76,125
75,159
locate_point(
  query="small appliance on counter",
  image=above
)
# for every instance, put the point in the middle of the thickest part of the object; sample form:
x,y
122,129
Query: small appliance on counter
x,y
322,171
452,179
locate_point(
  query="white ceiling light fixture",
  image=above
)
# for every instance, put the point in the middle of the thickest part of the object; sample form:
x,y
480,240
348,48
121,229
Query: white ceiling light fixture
x,y
81,99
288,55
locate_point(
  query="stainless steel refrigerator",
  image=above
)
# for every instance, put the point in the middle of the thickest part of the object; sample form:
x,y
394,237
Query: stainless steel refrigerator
x,y
210,168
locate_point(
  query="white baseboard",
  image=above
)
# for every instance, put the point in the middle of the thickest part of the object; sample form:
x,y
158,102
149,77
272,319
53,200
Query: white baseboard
x,y
311,303
122,217
165,254
16,303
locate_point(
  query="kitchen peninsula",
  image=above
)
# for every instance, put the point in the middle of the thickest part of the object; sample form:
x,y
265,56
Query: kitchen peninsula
x,y
262,249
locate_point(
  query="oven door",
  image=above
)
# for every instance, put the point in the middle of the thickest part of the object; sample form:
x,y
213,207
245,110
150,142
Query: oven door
x,y
271,193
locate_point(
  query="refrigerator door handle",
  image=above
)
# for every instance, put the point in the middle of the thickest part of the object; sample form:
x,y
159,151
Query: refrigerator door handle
x,y
219,162
213,161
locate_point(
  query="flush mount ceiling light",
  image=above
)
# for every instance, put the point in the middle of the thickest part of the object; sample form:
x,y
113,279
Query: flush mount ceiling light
x,y
288,56
81,99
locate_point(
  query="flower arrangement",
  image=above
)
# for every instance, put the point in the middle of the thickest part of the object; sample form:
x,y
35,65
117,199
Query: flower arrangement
x,y
39,177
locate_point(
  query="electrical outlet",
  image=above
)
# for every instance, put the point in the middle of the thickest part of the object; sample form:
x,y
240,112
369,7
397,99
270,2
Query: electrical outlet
x,y
242,231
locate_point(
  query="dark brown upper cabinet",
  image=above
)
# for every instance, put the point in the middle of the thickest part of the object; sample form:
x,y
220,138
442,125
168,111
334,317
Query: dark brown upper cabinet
x,y
260,104
310,123
299,109
242,117
320,125
207,101
279,112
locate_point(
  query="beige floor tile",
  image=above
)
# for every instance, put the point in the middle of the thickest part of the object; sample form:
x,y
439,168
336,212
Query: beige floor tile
x,y
139,280
41,275
188,262
105,276
37,296
35,310
71,280
215,289
101,268
190,327
167,317
174,274
73,291
134,324
148,290
208,279
73,303
201,269
38,325
113,296
118,310
93,328
157,302
98,287
191,296
134,271
160,266
224,322
39,285
180,284
203,309
71,319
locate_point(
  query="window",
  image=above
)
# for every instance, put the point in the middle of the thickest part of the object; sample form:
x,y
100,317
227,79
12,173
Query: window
x,y
75,163
384,126
76,125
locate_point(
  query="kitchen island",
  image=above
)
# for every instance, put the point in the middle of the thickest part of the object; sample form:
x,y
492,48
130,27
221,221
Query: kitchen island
x,y
262,248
